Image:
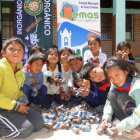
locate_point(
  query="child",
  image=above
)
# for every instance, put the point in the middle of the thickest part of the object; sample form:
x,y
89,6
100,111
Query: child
x,y
52,73
66,71
124,51
76,63
123,97
101,85
16,118
94,54
87,90
33,86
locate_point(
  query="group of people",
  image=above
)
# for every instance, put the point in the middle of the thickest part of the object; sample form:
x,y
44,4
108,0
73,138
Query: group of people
x,y
109,85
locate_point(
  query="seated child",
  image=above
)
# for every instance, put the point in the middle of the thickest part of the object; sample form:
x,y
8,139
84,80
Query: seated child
x,y
52,74
94,54
76,63
33,86
17,120
124,51
66,71
87,90
96,74
123,97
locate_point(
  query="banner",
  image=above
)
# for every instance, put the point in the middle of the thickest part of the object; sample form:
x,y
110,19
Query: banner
x,y
77,20
33,22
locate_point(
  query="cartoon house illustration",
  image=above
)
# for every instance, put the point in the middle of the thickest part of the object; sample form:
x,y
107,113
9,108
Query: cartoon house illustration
x,y
65,38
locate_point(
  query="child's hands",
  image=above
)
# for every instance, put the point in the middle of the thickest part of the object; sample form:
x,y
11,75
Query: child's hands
x,y
67,96
115,130
34,80
96,60
23,109
62,96
84,92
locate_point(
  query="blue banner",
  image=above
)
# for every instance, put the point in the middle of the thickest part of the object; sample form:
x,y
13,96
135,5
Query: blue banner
x,y
33,22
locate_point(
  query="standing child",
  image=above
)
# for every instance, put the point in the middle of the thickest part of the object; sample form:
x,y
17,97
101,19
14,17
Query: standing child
x,y
52,73
66,71
76,63
33,86
123,97
124,52
94,53
16,118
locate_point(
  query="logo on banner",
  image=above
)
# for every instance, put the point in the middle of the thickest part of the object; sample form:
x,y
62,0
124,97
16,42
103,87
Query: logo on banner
x,y
33,7
67,11
72,13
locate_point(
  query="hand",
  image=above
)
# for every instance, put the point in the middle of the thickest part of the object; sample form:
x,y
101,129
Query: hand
x,y
62,96
23,109
34,80
84,92
96,60
67,96
115,130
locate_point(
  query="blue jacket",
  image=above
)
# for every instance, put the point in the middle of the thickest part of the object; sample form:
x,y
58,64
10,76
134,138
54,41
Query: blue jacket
x,y
98,93
29,75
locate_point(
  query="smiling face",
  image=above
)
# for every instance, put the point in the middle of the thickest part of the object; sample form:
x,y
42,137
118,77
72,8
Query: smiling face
x,y
64,56
36,66
94,46
117,76
76,65
14,53
53,57
97,74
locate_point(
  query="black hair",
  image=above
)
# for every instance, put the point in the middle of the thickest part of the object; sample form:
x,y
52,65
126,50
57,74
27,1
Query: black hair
x,y
11,40
66,49
79,77
127,44
87,68
75,56
47,62
122,64
36,56
33,49
96,38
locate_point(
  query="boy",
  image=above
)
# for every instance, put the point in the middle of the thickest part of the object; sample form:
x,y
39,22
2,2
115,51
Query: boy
x,y
16,118
33,86
76,63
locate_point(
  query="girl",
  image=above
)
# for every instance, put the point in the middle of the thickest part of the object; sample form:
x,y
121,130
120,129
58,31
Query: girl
x,y
33,86
52,74
124,51
16,118
94,54
66,71
123,97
